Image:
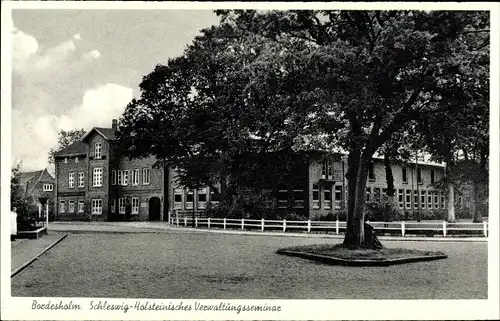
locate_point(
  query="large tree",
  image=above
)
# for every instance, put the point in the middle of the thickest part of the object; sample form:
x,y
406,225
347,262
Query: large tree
x,y
262,80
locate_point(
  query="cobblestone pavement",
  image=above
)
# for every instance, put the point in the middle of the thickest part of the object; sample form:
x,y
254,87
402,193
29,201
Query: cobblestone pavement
x,y
223,266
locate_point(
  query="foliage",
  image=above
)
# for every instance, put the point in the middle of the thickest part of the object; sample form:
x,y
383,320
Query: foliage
x,y
64,139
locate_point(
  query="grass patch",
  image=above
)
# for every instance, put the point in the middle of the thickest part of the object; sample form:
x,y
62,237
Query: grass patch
x,y
341,252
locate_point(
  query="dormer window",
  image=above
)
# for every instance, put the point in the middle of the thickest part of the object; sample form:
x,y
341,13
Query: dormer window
x,y
65,160
48,187
97,150
76,159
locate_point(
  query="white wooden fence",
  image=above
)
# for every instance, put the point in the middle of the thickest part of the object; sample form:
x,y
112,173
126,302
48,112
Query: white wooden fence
x,y
400,228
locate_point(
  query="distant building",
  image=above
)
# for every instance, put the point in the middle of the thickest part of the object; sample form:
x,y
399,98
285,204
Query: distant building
x,y
94,182
37,186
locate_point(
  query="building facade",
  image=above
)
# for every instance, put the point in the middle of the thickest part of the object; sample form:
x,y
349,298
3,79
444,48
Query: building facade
x,y
95,182
38,188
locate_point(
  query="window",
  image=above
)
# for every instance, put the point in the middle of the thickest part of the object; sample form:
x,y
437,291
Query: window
x,y
71,180
282,197
408,199
48,187
113,178
202,198
113,206
337,171
368,193
214,197
324,167
71,206
62,207
146,176
122,204
415,199
96,206
429,199
401,198
177,198
298,198
315,196
189,200
422,199
419,175
135,177
404,175
371,172
330,169
81,206
97,150
97,176
123,177
135,205
327,199
443,203
432,176
65,160
76,159
338,197
81,179
436,199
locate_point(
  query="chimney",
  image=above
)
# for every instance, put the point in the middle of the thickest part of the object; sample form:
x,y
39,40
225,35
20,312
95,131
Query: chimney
x,y
114,124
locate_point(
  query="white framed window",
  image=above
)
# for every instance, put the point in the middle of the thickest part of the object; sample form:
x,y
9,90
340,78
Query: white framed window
x,y
177,198
125,177
324,168
48,187
65,160
422,199
282,197
337,171
71,206
113,205
76,159
298,198
415,199
401,198
96,206
443,201
135,176
97,176
113,177
338,197
71,180
146,176
316,203
202,198
189,200
429,199
122,203
62,207
327,199
408,199
436,199
97,150
214,197
81,179
81,206
135,205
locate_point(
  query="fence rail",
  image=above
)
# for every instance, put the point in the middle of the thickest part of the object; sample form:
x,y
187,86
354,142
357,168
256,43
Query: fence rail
x,y
400,228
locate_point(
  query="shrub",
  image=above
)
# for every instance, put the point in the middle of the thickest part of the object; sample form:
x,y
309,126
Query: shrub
x,y
383,208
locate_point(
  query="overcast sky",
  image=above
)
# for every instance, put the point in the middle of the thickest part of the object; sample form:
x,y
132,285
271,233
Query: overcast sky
x,y
79,68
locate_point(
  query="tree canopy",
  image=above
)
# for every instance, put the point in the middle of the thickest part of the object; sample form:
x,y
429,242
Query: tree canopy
x,y
64,139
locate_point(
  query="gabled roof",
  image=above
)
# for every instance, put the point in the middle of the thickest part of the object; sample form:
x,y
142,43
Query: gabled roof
x,y
77,148
107,133
28,180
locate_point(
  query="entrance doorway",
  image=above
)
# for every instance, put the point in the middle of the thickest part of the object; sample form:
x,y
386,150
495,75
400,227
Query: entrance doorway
x,y
154,209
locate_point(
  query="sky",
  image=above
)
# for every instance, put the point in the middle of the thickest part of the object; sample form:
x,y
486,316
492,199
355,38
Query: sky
x,y
76,69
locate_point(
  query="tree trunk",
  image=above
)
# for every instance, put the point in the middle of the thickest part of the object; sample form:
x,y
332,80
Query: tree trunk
x,y
451,202
390,185
476,215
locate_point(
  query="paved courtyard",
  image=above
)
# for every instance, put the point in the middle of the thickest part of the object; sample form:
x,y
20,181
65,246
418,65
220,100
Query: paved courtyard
x,y
218,266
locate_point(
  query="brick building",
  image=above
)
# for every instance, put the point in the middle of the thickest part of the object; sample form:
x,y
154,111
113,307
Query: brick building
x,y
38,188
94,182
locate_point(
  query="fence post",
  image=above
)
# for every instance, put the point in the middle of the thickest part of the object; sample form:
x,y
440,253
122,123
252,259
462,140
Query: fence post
x,y
262,225
242,223
177,218
224,223
284,225
337,227
208,222
185,221
485,228
403,228
196,221
308,226
444,228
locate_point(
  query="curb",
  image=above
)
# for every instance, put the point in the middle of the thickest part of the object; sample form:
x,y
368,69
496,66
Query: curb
x,y
26,264
161,229
338,261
